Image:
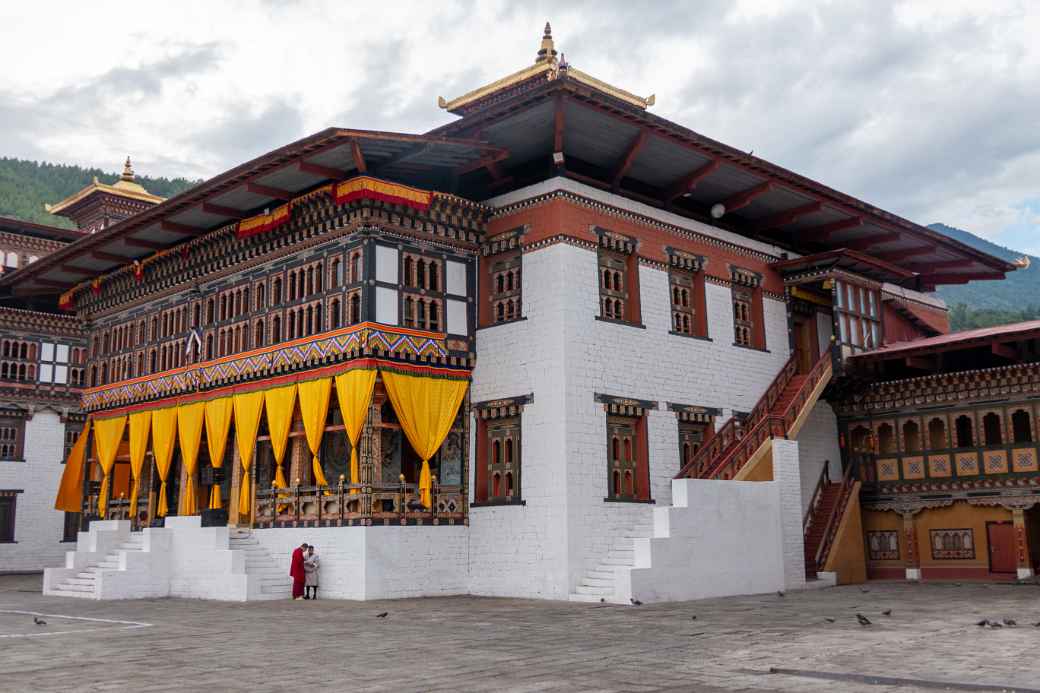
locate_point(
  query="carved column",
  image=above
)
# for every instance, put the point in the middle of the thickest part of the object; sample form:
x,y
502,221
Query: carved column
x,y
1018,516
913,559
295,468
235,488
370,450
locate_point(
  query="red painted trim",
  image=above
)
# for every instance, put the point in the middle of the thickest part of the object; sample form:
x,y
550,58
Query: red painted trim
x,y
964,573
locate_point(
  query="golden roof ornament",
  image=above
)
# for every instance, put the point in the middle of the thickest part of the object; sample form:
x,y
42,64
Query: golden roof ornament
x,y
128,171
547,51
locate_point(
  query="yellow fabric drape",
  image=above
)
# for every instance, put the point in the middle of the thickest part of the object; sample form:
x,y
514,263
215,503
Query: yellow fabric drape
x,y
279,403
189,434
247,406
218,423
354,390
314,409
140,427
426,408
164,427
107,434
70,490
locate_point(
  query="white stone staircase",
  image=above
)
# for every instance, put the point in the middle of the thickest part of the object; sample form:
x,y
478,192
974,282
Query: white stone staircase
x,y
598,584
85,583
266,579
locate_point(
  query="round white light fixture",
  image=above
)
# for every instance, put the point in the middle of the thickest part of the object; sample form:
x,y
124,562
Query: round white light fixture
x,y
717,210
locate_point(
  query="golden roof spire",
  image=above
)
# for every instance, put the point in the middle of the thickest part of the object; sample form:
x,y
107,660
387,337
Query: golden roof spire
x,y
128,171
547,53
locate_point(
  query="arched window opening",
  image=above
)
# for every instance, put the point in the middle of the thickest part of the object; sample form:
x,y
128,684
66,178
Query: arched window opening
x,y
334,314
434,285
509,484
420,273
509,451
496,452
355,309
276,330
886,439
991,429
409,279
276,292
937,434
965,431
628,449
911,437
500,283
258,335
1020,426
615,449
617,483
496,484
355,267
630,485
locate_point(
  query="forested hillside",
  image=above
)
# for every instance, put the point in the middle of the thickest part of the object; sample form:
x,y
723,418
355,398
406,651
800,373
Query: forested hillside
x,y
25,186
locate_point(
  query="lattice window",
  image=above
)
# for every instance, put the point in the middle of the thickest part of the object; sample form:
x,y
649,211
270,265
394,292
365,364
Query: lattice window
x,y
622,455
12,436
691,438
883,545
506,289
72,431
8,508
613,286
503,459
743,322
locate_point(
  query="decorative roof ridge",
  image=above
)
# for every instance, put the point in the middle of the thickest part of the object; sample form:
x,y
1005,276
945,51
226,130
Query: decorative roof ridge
x,y
116,189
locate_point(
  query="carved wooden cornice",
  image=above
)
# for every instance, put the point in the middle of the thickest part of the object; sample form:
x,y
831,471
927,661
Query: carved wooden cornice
x,y
36,322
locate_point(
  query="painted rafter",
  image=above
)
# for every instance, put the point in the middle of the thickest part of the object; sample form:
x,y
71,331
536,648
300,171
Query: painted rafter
x,y
744,198
688,182
787,217
628,159
268,191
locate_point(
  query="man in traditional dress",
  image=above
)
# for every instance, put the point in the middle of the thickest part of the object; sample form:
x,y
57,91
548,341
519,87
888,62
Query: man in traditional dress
x,y
310,567
297,572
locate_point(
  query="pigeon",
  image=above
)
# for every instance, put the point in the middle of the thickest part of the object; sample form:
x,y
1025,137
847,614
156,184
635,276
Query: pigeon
x,y
984,622
863,620
383,615
828,619
886,612
602,600
39,621
780,593
1036,625
635,602
693,618
995,624
1010,622
864,590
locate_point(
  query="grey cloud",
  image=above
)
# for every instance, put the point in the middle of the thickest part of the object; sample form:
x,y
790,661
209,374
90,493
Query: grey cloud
x,y
239,135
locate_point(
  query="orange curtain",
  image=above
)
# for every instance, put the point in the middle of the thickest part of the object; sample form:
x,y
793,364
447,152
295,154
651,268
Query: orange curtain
x,y
248,406
164,429
140,427
279,403
70,490
354,391
314,409
107,435
218,423
189,434
426,406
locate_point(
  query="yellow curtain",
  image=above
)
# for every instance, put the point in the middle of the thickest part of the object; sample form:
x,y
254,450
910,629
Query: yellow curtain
x,y
247,406
426,407
189,434
107,434
354,390
314,408
164,427
70,490
218,423
279,403
140,427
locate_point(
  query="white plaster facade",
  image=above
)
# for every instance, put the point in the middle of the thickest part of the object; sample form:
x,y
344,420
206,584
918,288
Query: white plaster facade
x,y
38,526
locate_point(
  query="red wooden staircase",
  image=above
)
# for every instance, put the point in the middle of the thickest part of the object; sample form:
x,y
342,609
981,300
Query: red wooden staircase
x,y
820,525
774,416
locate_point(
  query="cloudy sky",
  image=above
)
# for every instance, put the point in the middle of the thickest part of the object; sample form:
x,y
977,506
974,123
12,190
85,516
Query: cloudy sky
x,y
927,109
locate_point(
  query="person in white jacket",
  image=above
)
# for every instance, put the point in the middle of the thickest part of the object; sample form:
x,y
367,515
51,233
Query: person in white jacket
x,y
310,568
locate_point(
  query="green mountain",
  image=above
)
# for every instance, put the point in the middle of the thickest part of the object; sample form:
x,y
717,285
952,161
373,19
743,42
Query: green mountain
x,y
25,186
987,303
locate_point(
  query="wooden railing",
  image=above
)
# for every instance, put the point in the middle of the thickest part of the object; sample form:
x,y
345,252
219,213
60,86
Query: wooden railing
x,y
821,483
358,504
732,433
830,531
724,461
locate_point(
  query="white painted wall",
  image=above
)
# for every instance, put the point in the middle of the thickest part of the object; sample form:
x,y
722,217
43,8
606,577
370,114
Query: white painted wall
x,y
817,443
38,526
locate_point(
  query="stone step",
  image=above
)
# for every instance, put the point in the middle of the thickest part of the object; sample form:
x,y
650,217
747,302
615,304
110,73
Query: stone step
x,y
87,575
82,581
109,565
60,592
69,586
600,571
612,560
622,553
575,597
597,591
597,581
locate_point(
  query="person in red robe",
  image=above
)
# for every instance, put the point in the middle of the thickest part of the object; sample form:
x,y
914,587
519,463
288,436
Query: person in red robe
x,y
297,572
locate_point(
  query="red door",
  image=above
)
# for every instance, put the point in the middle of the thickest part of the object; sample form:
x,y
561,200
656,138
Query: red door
x,y
1001,537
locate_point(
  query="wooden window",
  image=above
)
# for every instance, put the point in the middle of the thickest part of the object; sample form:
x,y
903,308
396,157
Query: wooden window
x,y
859,322
72,431
503,460
618,278
623,446
964,429
748,312
355,307
505,287
886,439
691,438
12,437
8,507
911,437
937,434
1020,428
686,292
991,428
336,273
355,266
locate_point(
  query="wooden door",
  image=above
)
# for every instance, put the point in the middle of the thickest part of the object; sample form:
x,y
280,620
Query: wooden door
x,y
1001,536
805,342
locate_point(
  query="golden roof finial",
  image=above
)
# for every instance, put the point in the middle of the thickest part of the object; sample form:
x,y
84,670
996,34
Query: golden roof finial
x,y
547,53
128,171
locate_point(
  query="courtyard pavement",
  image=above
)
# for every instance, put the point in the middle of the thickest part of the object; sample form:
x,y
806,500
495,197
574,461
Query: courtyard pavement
x,y
765,642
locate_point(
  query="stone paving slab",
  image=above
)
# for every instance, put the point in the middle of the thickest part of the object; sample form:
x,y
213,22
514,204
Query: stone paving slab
x,y
484,644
